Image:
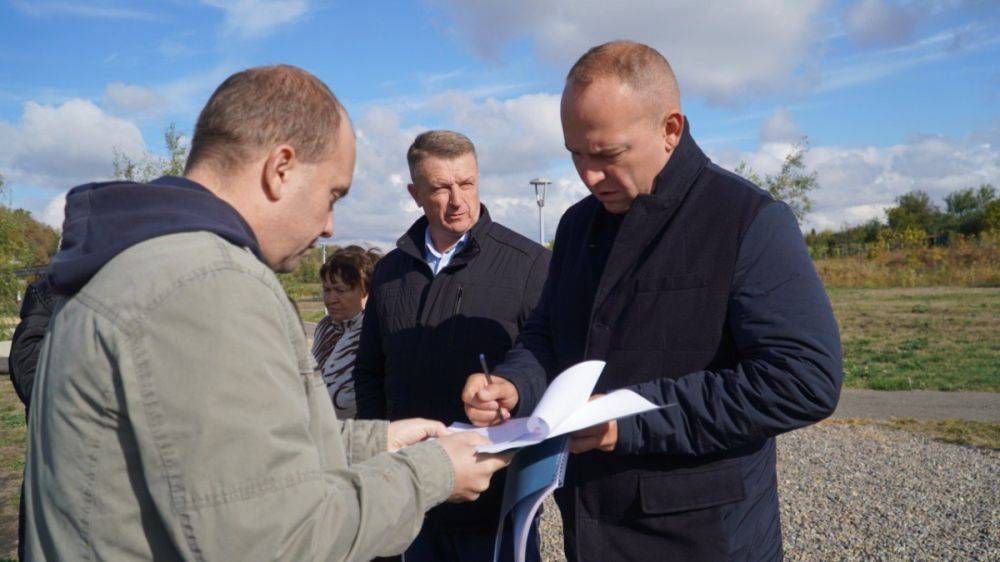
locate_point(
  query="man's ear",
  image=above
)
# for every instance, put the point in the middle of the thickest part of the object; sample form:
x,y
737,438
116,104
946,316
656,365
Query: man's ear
x,y
280,163
414,190
673,129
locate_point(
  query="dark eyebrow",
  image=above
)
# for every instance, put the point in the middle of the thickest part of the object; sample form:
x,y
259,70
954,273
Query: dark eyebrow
x,y
340,192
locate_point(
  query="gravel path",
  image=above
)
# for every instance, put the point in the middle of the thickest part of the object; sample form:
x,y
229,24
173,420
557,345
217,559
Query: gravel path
x,y
873,493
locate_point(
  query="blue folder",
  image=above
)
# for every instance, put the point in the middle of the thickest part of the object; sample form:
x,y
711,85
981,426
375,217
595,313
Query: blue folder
x,y
533,474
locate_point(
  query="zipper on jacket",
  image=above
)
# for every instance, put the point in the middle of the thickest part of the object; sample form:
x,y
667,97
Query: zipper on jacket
x,y
454,316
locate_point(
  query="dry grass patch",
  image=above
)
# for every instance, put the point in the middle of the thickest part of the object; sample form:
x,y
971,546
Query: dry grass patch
x,y
985,435
966,263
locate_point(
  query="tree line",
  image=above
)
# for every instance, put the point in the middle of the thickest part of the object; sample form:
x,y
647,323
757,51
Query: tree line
x,y
915,221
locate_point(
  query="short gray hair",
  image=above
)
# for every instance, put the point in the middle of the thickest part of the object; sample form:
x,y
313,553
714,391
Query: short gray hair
x,y
440,144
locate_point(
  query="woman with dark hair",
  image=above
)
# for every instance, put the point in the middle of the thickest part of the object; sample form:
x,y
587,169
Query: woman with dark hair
x,y
346,278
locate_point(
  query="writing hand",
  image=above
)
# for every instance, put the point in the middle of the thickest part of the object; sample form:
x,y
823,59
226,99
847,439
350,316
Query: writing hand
x,y
484,399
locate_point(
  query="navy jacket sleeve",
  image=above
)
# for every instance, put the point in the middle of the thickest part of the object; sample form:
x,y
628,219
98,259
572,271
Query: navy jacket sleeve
x,y
39,302
369,368
533,287
530,363
789,373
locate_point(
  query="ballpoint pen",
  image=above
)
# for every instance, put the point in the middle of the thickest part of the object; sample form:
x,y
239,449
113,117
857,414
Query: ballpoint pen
x,y
489,380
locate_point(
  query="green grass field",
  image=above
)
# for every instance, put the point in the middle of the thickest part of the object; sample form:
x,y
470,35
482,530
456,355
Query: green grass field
x,y
938,338
931,338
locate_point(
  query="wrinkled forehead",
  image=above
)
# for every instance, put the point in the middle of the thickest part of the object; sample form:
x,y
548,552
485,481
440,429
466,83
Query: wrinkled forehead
x,y
603,113
435,169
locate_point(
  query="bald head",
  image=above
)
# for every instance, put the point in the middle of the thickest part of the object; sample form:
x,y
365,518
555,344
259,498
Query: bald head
x,y
639,67
621,120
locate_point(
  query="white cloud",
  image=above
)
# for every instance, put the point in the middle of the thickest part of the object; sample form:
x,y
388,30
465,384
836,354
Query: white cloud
x,y
55,211
879,22
722,50
183,97
131,99
521,133
257,18
61,146
881,63
858,183
780,126
516,139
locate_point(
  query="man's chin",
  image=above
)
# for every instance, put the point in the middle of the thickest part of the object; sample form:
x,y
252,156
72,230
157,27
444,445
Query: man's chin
x,y
289,265
459,227
616,207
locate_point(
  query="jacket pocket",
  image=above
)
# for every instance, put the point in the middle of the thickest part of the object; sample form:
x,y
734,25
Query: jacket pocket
x,y
670,283
660,494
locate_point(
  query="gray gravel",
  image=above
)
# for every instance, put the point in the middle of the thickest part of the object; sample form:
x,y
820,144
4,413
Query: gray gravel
x,y
873,493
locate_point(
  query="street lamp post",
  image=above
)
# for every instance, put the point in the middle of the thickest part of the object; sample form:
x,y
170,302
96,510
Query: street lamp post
x,y
540,184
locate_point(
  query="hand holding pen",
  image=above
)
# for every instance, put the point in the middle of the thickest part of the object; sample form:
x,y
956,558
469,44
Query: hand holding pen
x,y
488,398
489,381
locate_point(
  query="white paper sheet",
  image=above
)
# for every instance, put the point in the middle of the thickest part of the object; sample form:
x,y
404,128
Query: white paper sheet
x,y
564,408
618,404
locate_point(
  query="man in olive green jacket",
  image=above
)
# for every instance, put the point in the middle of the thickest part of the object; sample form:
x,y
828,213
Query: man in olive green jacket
x,y
176,412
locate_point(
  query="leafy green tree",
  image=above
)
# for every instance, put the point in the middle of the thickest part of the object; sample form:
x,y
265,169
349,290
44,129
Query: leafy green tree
x,y
846,241
915,211
148,166
9,249
991,217
966,209
792,184
965,201
11,243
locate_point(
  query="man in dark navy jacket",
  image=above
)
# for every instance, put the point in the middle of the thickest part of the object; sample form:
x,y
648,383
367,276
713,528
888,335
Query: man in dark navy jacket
x,y
695,286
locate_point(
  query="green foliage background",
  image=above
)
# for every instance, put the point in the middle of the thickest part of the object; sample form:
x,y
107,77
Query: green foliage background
x,y
24,242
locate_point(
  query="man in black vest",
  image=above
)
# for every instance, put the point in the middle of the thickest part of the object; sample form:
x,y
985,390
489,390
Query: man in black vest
x,y
696,288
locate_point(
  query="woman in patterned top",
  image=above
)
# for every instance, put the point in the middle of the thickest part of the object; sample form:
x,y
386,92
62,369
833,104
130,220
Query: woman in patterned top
x,y
346,278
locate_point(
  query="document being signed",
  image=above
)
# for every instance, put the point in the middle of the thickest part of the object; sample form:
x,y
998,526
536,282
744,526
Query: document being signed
x,y
564,408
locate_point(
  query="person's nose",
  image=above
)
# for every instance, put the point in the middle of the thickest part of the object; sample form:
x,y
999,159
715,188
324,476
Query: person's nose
x,y
328,227
454,200
590,174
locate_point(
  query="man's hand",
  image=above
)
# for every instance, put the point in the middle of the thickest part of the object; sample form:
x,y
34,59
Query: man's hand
x,y
602,436
472,470
404,433
488,403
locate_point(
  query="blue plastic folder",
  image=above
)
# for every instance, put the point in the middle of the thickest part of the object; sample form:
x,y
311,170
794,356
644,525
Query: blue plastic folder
x,y
534,473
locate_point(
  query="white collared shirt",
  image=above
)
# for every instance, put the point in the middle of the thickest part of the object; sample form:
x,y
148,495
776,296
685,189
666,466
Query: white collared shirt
x,y
440,260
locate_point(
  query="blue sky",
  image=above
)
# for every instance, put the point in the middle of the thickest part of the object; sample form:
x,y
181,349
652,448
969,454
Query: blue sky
x,y
893,95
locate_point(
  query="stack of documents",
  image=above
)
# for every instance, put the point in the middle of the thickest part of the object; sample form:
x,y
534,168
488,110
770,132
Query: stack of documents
x,y
564,408
539,466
